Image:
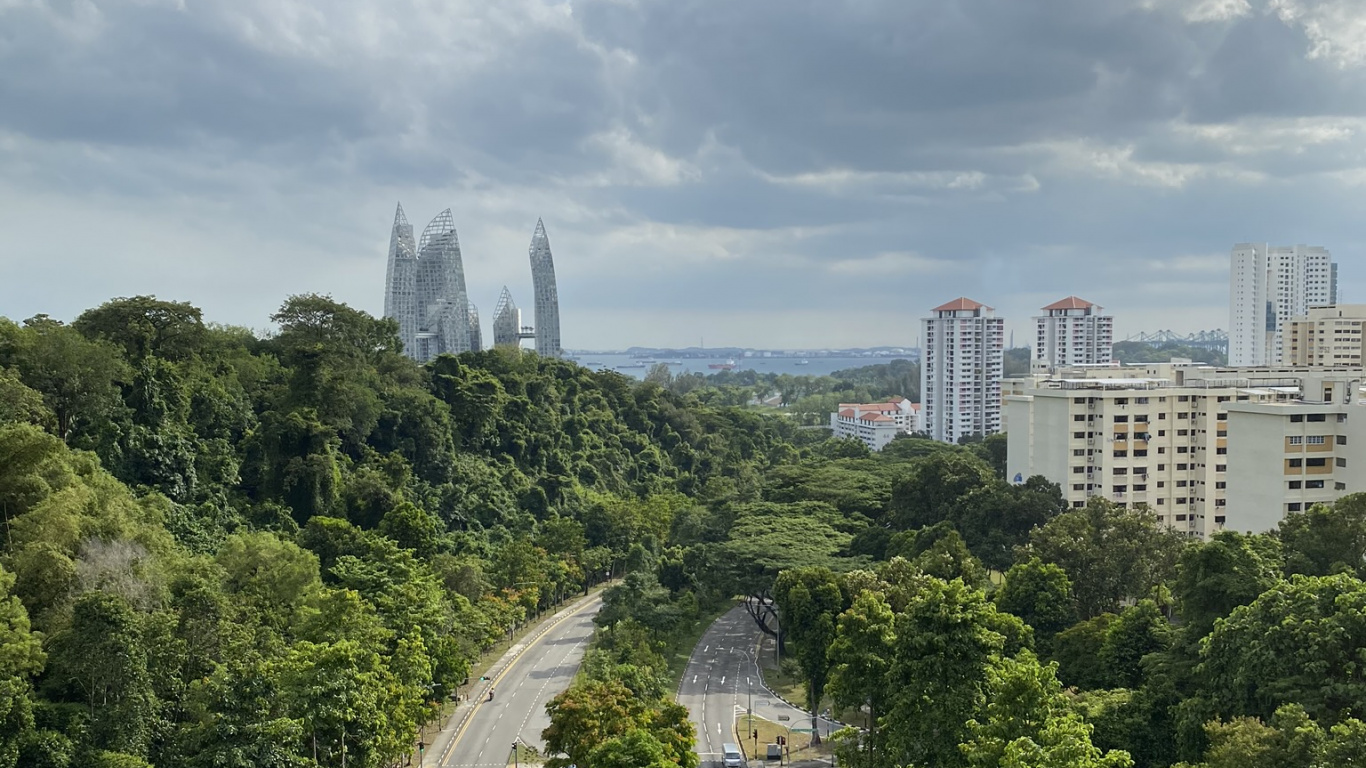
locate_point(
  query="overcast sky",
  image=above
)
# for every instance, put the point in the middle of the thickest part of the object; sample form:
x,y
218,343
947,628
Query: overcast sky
x,y
775,173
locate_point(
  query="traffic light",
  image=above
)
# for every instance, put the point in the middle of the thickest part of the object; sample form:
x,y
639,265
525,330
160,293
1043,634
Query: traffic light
x,y
756,734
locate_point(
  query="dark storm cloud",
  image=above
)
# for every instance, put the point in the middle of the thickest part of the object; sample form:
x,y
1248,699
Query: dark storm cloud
x,y
843,157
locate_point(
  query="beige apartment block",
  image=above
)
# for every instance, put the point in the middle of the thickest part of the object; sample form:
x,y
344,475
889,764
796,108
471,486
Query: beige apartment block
x,y
1328,336
1289,456
1157,436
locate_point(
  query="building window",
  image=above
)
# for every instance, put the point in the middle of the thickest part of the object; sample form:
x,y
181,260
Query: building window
x,y
1316,462
1220,467
1121,470
1295,485
1078,435
1079,417
1161,501
1161,467
1339,461
1221,451
1339,486
1220,484
1296,440
1181,467
1295,462
1079,486
1297,418
1342,440
1180,518
1315,440
1293,506
1078,451
1141,452
1313,484
1078,470
1121,454
1318,417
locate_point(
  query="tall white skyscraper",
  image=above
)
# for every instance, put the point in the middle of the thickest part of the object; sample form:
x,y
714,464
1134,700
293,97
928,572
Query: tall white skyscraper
x,y
960,370
1267,287
1072,332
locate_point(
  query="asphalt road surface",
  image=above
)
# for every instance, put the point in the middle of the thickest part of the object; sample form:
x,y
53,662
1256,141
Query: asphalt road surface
x,y
524,680
722,680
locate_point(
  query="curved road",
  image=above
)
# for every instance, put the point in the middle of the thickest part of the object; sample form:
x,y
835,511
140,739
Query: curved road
x,y
722,680
528,676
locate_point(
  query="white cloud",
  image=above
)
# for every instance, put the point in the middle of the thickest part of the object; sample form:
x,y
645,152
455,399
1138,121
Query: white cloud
x,y
634,163
1336,28
1201,11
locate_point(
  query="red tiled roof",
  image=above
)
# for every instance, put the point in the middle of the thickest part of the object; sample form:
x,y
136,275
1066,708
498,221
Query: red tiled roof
x,y
874,417
847,413
960,303
1071,302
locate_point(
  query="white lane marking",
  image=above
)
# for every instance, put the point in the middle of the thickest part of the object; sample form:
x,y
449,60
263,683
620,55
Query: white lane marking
x,y
723,679
694,679
708,648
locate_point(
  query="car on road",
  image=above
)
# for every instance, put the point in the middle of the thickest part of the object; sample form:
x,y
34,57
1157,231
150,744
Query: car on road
x,y
731,756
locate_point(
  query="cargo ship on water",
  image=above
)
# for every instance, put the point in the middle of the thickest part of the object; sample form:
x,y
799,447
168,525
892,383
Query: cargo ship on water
x,y
729,365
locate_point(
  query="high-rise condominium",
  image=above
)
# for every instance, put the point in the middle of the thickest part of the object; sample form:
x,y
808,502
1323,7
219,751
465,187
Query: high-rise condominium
x,y
547,296
1072,332
425,289
960,370
425,292
1268,286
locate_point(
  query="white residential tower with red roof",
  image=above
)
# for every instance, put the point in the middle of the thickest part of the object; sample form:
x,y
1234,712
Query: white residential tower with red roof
x,y
960,370
1072,332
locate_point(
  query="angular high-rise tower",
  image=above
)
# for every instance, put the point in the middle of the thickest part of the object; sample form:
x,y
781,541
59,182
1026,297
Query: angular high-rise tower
x,y
547,297
507,321
426,289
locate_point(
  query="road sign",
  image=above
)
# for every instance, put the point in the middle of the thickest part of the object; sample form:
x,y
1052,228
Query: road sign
x,y
802,730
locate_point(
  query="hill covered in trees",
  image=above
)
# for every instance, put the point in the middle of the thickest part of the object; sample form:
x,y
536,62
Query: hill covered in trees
x,y
229,550
224,549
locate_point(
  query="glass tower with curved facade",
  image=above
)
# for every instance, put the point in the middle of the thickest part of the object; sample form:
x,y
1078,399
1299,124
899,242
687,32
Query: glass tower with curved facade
x,y
547,297
425,292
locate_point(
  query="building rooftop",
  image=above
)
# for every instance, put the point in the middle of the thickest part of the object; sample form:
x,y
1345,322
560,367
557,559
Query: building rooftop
x,y
1071,302
960,303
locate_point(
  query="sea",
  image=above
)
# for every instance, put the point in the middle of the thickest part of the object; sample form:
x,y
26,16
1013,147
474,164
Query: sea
x,y
814,366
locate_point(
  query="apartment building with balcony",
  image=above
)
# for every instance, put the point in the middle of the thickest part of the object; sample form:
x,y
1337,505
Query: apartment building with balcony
x,y
1269,285
1159,436
1329,336
1290,455
1072,331
961,367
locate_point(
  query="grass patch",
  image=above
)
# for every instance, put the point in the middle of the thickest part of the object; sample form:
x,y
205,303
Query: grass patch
x,y
523,755
798,747
682,644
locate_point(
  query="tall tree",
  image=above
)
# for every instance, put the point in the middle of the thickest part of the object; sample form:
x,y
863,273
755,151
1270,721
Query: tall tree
x,y
1041,595
1110,553
860,659
811,600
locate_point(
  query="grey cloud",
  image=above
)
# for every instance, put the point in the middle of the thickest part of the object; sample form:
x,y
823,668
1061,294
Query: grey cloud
x,y
690,157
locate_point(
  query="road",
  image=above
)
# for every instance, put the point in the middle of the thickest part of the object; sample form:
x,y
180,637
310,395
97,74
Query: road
x,y
481,733
722,679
